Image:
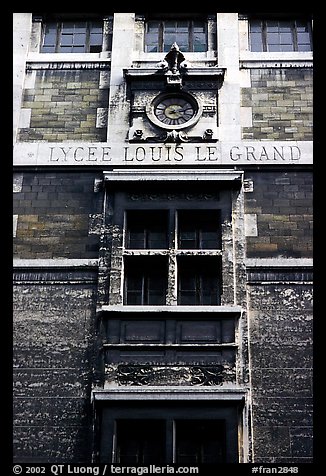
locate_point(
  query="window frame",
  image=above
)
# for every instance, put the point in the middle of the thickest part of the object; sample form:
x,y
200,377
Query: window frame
x,y
145,273
198,230
192,267
147,227
161,35
181,410
265,44
59,24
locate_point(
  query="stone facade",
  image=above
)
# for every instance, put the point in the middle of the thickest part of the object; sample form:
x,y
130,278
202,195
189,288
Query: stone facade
x,y
281,206
63,106
58,215
281,351
88,155
53,365
281,102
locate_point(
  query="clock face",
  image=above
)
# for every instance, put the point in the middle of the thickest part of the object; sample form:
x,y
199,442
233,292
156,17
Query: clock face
x,y
174,111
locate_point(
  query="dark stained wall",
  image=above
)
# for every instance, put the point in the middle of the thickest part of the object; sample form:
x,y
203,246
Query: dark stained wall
x,y
281,369
59,215
282,202
53,341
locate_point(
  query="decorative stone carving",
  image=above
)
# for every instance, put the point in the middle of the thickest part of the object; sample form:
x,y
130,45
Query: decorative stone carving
x,y
175,136
169,375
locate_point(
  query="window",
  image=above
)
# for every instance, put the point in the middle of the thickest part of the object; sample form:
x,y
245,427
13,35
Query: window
x,y
200,441
145,280
198,229
174,432
199,280
144,442
280,35
172,256
140,442
147,229
190,35
72,37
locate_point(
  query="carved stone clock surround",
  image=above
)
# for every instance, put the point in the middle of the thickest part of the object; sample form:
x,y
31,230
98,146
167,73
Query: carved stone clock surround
x,y
173,75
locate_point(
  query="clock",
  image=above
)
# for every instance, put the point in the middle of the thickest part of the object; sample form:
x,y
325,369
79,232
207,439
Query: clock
x,y
174,111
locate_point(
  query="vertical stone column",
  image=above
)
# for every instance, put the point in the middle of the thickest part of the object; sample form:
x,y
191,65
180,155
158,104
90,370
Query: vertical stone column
x,y
122,49
22,23
229,94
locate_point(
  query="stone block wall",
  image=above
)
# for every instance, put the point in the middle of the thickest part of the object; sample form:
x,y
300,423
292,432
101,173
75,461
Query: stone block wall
x,y
58,214
63,106
281,371
52,367
281,205
281,102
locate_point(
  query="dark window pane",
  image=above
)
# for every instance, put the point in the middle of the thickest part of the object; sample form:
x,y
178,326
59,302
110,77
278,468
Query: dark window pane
x,y
187,298
274,48
136,239
182,27
134,298
256,42
286,38
199,280
255,27
303,38
152,27
65,49
50,38
79,49
285,27
147,229
170,38
188,283
48,49
96,39
199,27
135,283
140,442
66,40
199,229
286,48
169,26
79,27
96,27
80,38
95,48
199,40
156,239
304,47
273,38
200,441
272,26
67,28
145,280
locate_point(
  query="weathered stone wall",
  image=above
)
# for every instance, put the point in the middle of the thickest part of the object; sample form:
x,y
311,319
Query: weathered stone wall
x,y
63,106
281,102
281,371
281,204
58,214
52,359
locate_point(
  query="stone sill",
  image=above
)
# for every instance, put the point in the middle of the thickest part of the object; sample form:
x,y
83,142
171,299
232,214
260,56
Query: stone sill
x,y
171,393
250,59
188,309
